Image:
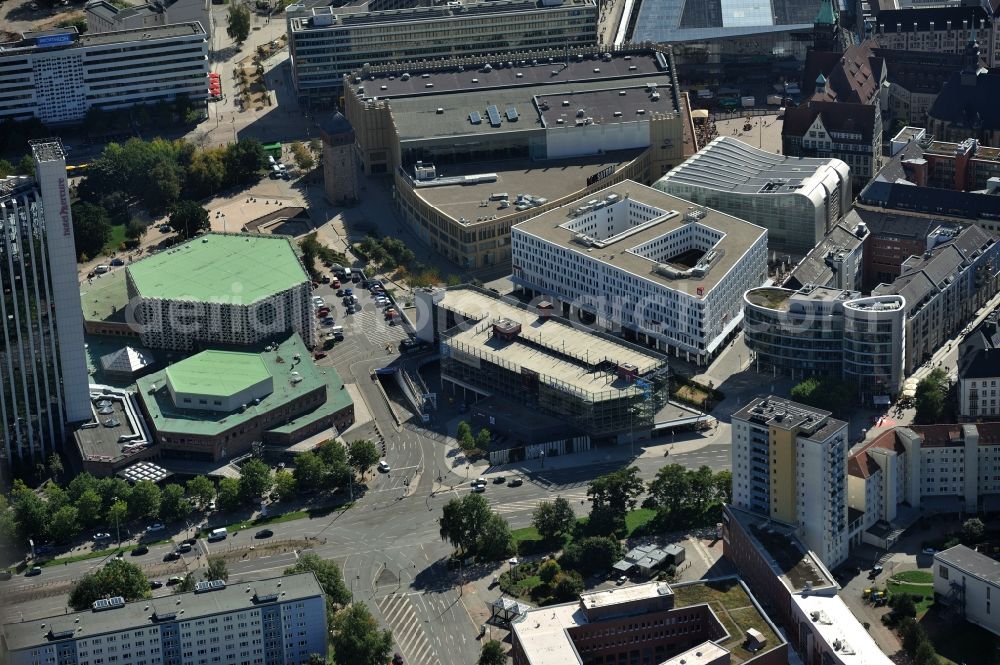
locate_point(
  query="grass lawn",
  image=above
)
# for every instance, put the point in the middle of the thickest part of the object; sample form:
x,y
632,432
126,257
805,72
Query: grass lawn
x,y
918,576
96,554
526,584
529,535
116,238
691,394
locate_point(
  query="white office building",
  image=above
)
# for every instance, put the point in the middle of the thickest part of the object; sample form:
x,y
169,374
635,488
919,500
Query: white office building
x,y
969,581
43,371
797,199
278,621
790,464
656,268
58,75
328,42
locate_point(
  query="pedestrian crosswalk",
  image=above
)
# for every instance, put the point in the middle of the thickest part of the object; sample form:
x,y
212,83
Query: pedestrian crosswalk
x,y
509,507
377,330
407,629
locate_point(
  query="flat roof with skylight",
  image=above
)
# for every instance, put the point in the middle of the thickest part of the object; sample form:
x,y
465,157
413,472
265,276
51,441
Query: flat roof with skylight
x,y
220,268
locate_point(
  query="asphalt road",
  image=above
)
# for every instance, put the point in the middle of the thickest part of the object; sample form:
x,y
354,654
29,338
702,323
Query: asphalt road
x,y
387,544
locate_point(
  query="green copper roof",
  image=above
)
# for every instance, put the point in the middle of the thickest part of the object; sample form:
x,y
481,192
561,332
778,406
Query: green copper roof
x,y
242,268
217,373
826,15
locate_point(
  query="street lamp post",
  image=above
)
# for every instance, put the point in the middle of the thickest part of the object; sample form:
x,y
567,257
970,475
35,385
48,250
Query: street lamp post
x,y
118,533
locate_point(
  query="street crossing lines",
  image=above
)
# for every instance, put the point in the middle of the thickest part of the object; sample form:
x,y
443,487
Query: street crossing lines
x,y
531,504
375,328
407,630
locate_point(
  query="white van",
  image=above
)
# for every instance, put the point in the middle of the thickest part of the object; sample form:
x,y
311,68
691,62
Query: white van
x,y
347,275
337,332
217,534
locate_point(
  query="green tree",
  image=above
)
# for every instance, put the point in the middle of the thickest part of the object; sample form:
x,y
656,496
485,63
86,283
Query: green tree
x,y
144,500
55,496
216,569
930,396
492,654
357,638
26,166
229,494
483,439
612,496
8,526
973,530
912,634
163,186
336,472
187,218
724,486
206,174
117,514
81,483
88,506
244,161
549,570
327,574
464,436
6,168
902,605
309,471
255,480
173,504
553,519
113,490
303,158
64,525
186,585
201,489
285,485
669,489
925,655
316,146
463,521
593,554
31,515
135,229
116,578
495,540
568,586
91,229
55,466
362,455
238,23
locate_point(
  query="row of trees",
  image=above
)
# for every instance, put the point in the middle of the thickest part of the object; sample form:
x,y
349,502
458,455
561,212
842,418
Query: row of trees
x,y
313,250
387,252
61,514
330,466
468,442
471,525
932,392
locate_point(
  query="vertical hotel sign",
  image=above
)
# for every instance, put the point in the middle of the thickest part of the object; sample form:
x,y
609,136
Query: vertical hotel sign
x,y
64,208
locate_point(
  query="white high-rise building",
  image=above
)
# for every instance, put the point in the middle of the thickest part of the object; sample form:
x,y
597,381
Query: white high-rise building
x,y
58,75
790,465
43,370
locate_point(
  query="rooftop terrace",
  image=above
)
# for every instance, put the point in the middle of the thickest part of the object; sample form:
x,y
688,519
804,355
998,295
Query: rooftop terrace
x,y
587,347
229,268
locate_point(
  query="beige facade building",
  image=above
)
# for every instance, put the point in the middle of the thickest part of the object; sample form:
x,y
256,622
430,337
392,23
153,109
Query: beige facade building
x,y
340,169
475,146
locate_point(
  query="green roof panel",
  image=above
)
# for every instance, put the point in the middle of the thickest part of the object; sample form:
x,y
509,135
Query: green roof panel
x,y
218,373
215,267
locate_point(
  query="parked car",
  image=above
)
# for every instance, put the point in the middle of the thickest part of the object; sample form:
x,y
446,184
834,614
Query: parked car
x,y
174,579
157,526
318,301
384,467
264,533
499,480
34,570
340,292
319,356
166,228
479,489
325,279
117,262
100,535
621,580
171,556
155,584
184,548
328,321
516,481
139,551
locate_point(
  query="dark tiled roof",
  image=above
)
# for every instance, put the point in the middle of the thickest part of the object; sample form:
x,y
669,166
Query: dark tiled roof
x,y
966,105
919,71
897,225
979,352
893,170
923,16
853,76
947,202
836,116
814,269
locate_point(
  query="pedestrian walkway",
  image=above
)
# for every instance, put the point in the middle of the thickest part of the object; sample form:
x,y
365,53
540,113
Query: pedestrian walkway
x,y
407,629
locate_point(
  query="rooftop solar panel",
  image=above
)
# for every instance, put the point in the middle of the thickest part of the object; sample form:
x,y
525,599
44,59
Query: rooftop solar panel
x,y
511,113
494,115
475,118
